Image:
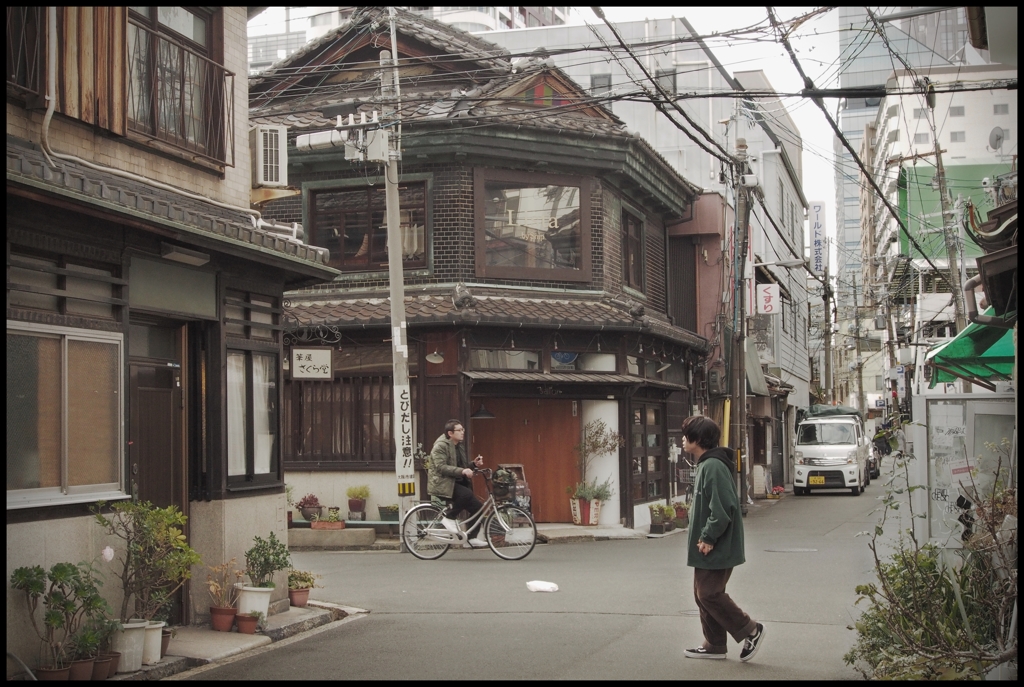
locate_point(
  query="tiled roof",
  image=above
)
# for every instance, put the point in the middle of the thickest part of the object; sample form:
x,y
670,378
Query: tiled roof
x,y
455,43
26,165
487,310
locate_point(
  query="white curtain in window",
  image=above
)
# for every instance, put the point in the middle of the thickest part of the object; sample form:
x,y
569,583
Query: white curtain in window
x,y
264,385
236,414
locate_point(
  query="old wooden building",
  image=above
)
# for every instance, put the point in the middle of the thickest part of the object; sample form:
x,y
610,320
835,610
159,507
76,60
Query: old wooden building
x,y
544,287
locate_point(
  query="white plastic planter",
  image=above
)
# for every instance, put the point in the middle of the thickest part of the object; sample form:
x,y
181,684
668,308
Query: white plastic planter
x,y
151,646
129,643
253,599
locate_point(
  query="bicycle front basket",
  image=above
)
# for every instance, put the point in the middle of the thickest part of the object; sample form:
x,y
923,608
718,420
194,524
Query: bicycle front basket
x,y
502,483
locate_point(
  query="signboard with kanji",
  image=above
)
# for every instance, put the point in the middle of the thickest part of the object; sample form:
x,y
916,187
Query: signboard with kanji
x,y
404,469
769,302
311,363
819,248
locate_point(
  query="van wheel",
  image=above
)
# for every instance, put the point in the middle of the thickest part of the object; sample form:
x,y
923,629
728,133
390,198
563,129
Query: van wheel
x,y
799,491
859,489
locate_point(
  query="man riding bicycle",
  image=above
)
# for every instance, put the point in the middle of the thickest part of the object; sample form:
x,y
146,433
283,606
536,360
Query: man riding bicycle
x,y
450,478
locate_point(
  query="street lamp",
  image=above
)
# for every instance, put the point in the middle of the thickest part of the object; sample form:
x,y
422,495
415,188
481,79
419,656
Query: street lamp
x,y
788,264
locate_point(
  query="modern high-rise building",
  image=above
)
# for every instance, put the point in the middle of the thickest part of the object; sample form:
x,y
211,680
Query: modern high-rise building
x,y
927,41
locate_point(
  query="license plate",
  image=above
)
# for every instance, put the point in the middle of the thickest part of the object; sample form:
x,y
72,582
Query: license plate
x,y
816,480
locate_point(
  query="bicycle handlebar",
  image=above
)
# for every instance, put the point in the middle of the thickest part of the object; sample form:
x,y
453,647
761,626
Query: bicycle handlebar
x,y
486,472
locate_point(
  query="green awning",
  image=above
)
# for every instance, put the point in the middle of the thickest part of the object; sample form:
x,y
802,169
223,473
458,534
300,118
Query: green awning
x,y
980,352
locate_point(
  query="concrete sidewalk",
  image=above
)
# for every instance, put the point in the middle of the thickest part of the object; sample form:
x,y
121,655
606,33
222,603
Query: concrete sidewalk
x,y
199,645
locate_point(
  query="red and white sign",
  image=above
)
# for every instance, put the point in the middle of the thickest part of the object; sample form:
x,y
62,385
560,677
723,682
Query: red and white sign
x,y
769,301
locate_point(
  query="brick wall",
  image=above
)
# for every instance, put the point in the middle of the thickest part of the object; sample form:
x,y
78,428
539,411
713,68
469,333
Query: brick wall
x,y
454,256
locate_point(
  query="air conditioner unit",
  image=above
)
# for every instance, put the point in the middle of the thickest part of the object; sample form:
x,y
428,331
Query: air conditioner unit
x,y
268,146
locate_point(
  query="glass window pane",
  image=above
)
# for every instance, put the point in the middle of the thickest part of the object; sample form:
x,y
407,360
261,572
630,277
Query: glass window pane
x,y
94,412
145,341
262,317
534,227
653,416
597,362
264,389
237,425
33,411
179,19
504,359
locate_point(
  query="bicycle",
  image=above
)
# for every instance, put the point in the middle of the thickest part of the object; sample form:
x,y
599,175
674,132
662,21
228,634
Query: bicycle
x,y
509,530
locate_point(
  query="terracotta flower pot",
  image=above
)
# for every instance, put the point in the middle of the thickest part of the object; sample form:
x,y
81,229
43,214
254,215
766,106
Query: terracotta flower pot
x,y
165,642
246,624
357,505
298,597
115,661
81,669
327,525
60,674
222,618
101,668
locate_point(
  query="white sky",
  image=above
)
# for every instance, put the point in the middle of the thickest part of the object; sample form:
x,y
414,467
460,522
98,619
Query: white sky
x,y
816,44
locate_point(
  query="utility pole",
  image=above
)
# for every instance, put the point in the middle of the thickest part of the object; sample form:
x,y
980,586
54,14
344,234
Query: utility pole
x,y
948,236
859,362
405,472
738,431
826,296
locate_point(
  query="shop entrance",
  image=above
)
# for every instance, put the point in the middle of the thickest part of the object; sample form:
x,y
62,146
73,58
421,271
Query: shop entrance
x,y
540,434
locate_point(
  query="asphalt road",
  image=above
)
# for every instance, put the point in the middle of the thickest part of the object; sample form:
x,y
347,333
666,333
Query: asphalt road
x,y
624,609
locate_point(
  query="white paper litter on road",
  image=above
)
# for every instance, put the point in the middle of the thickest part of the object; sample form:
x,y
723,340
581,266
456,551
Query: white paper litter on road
x,y
541,586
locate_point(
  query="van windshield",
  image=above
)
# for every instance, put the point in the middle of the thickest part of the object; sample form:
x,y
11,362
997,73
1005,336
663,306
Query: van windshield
x,y
814,434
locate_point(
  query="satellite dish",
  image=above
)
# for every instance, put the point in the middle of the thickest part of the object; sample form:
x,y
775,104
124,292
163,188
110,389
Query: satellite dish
x,y
995,139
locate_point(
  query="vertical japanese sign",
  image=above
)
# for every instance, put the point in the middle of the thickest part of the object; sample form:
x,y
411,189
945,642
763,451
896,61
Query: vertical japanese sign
x,y
404,470
819,252
768,299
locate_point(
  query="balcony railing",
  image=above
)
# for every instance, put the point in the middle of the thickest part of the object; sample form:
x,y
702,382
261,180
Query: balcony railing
x,y
26,43
179,96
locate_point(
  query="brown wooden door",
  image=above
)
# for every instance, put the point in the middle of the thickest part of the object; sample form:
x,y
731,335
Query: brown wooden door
x,y
540,434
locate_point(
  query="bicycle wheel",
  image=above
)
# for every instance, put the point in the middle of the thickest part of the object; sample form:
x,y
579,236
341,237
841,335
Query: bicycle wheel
x,y
415,535
511,533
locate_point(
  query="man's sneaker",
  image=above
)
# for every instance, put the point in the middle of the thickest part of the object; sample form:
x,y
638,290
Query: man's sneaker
x,y
704,652
450,525
752,643
476,543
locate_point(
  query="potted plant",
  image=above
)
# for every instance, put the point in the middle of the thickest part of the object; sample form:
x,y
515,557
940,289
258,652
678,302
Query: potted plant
x,y
69,594
669,512
83,649
357,496
155,563
266,557
300,584
388,512
596,439
107,661
248,622
585,500
289,497
681,518
657,514
331,521
309,505
220,581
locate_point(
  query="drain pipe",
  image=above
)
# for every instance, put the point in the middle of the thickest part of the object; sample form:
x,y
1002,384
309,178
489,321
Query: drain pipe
x,y
972,307
49,153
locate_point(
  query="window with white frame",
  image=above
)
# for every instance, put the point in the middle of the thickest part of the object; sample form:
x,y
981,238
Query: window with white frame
x,y
957,136
1001,109
64,415
920,113
922,138
600,83
956,111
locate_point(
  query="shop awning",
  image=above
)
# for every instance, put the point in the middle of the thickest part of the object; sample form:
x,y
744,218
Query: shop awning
x,y
978,354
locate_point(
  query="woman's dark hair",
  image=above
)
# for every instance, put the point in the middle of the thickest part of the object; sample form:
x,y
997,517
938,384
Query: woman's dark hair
x,y
702,431
450,426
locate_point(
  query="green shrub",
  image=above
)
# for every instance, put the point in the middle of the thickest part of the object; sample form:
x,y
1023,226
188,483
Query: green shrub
x,y
266,557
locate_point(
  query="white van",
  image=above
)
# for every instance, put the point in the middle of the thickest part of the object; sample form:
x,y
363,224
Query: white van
x,y
831,453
